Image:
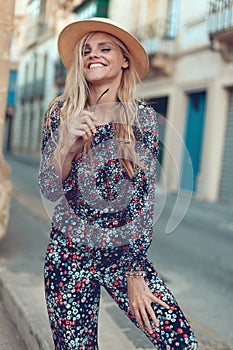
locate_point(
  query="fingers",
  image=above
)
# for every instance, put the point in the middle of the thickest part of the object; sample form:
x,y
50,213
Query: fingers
x,y
139,320
144,313
88,121
159,301
155,299
146,320
82,125
151,312
83,131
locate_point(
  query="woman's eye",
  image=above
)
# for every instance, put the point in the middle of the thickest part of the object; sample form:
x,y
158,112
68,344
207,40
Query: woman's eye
x,y
105,49
86,52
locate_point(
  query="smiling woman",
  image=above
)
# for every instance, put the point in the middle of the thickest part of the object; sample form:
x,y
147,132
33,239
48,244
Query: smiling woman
x,y
103,61
99,152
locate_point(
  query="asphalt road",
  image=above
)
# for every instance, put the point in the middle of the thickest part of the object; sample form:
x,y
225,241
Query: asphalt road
x,y
196,260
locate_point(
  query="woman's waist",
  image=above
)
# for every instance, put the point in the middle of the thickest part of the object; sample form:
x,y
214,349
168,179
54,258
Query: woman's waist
x,y
71,245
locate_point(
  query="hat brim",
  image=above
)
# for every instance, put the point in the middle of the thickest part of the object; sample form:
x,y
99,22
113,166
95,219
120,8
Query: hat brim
x,y
74,32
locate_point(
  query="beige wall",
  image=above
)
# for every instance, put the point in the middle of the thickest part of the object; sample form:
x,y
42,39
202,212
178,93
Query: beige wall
x,y
128,13
156,9
136,13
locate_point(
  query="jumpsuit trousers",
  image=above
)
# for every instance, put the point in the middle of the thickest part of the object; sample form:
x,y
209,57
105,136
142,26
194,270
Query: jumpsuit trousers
x,y
73,277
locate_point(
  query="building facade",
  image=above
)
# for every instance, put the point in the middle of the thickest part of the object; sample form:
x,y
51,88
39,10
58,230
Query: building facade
x,y
6,30
196,80
190,82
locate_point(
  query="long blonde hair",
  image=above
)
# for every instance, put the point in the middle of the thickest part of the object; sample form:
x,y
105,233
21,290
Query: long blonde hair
x,y
76,95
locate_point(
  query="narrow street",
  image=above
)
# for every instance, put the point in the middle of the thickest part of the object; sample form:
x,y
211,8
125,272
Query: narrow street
x,y
195,261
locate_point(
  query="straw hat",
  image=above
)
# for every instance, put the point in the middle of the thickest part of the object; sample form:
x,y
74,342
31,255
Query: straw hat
x,y
74,32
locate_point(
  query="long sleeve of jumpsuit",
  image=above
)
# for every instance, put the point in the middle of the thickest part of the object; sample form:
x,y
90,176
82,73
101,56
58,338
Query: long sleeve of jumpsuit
x,y
147,134
50,183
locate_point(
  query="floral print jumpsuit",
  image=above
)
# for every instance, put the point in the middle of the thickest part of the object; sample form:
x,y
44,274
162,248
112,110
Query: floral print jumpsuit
x,y
102,226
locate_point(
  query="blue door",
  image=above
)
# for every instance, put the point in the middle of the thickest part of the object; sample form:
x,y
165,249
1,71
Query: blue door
x,y
193,140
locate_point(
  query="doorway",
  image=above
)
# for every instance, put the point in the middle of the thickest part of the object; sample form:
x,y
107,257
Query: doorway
x,y
193,139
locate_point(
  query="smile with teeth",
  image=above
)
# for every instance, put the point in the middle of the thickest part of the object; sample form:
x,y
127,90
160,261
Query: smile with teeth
x,y
96,65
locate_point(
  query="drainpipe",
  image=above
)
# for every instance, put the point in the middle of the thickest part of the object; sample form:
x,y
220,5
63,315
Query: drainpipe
x,y
173,19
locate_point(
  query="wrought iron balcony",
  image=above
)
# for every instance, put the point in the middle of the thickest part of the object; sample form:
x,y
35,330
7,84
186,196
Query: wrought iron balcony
x,y
36,32
31,91
220,27
158,40
33,32
25,92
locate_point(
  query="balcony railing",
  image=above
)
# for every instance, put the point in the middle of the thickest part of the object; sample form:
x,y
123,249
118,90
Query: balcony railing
x,y
158,41
156,37
35,32
31,91
25,92
220,16
220,27
38,89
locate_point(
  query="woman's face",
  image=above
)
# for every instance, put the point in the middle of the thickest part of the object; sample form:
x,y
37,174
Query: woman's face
x,y
103,60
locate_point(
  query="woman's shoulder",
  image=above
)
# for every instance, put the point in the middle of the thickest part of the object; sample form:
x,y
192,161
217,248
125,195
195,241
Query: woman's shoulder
x,y
145,108
53,114
146,114
53,111
55,106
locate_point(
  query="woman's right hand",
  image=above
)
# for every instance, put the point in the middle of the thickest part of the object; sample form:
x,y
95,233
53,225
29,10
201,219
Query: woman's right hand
x,y
75,131
81,125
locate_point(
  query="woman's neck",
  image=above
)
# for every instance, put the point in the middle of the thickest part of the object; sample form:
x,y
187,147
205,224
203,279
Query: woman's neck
x,y
105,97
102,94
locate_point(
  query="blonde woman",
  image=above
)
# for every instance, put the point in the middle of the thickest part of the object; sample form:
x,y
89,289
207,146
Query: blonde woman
x,y
98,164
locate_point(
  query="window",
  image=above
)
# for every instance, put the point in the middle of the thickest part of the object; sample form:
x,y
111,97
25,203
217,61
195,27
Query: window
x,y
92,8
34,7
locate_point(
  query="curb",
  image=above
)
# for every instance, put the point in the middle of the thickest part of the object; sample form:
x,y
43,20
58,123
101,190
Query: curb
x,y
29,332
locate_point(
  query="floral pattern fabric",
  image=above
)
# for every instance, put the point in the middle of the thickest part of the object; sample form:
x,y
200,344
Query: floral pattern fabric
x,y
102,226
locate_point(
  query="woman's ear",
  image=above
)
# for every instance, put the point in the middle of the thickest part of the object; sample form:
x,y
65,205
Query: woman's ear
x,y
125,63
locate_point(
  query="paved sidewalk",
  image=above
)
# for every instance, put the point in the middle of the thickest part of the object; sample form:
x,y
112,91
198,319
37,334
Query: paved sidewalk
x,y
9,337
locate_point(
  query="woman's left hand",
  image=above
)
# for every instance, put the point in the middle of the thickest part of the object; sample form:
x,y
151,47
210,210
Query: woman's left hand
x,y
140,299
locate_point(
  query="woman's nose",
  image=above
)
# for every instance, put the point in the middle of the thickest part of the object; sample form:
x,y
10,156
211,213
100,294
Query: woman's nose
x,y
94,53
